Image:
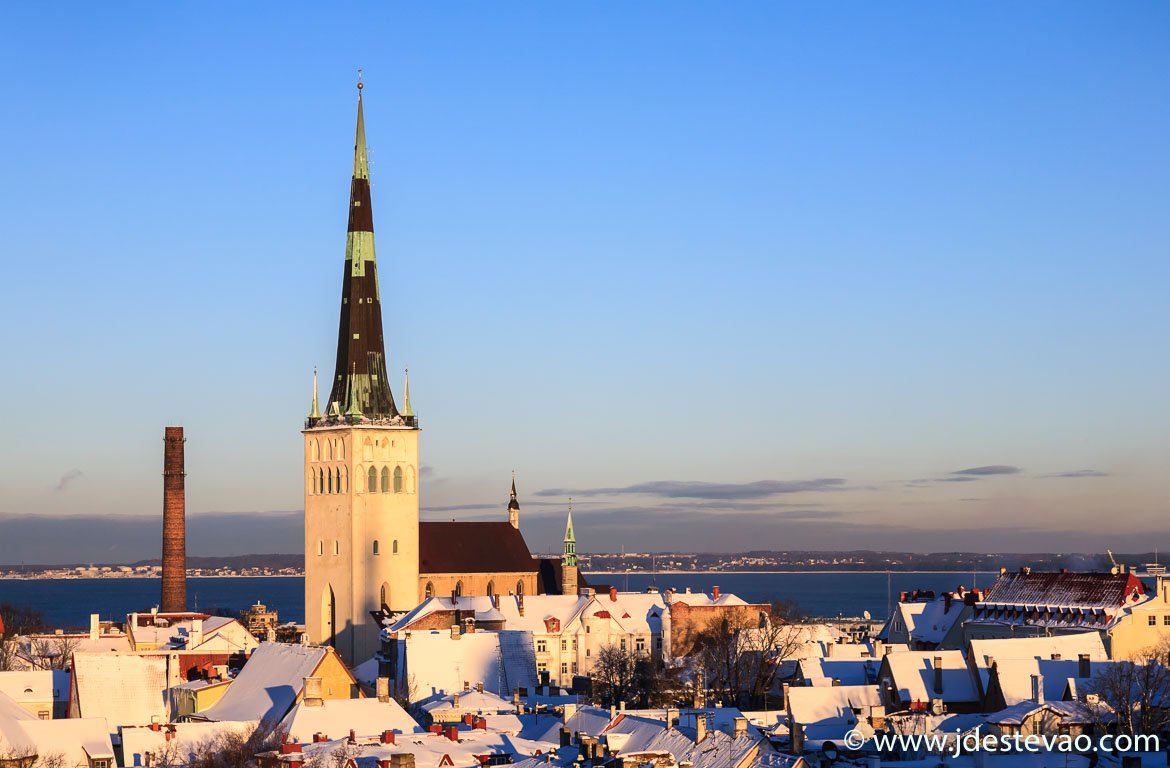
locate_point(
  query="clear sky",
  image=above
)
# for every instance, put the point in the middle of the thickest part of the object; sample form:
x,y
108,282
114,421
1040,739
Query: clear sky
x,y
733,275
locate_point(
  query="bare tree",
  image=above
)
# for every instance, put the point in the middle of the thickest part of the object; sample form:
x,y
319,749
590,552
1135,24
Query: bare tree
x,y
9,652
1136,690
739,655
614,674
54,652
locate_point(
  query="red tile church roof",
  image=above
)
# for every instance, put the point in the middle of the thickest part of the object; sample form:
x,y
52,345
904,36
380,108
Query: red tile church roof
x,y
482,547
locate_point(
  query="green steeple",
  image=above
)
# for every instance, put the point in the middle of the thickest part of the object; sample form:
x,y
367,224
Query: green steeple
x,y
570,553
406,409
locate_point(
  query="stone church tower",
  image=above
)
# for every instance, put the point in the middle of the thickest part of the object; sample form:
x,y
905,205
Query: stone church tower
x,y
361,462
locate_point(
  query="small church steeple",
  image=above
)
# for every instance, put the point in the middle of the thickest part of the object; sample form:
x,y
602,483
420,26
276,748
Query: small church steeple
x,y
406,409
315,412
569,557
514,505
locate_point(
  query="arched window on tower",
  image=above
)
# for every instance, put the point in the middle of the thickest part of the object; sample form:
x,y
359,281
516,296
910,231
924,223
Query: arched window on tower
x,y
430,591
519,587
330,475
343,482
394,547
320,481
320,546
410,487
398,479
372,482
329,450
341,449
491,588
385,479
459,588
375,546
336,547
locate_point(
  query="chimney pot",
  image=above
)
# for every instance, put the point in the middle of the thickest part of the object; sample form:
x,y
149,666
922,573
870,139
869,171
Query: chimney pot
x,y
388,737
453,733
312,692
383,689
938,674
613,594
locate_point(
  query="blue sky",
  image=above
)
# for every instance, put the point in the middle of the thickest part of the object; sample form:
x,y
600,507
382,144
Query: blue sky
x,y
622,246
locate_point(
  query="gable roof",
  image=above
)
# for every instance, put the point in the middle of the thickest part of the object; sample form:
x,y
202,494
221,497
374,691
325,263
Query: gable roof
x,y
1070,646
831,705
472,547
337,717
28,686
125,689
437,663
1062,588
913,676
269,684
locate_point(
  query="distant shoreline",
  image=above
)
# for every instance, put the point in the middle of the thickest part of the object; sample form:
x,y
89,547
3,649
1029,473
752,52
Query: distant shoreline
x,y
34,577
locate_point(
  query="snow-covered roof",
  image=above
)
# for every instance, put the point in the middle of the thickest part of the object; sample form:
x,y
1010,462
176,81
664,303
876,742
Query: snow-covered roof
x,y
28,687
173,632
695,599
633,735
337,717
430,749
124,688
913,676
834,705
848,671
269,684
75,739
1015,677
1067,711
935,621
469,700
438,663
1068,646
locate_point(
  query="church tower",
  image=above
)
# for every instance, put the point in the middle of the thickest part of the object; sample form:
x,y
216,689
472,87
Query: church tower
x,y
569,558
514,506
361,461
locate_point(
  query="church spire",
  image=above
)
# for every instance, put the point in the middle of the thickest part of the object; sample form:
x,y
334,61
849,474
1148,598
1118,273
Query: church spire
x,y
570,552
315,413
406,409
360,386
514,505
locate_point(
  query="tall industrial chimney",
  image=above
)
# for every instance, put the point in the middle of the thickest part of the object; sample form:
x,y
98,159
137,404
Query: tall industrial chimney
x,y
174,548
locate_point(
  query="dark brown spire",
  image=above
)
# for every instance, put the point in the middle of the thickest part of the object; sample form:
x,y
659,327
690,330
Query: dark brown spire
x,y
360,385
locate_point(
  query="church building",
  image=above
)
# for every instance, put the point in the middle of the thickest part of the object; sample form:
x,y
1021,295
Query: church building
x,y
367,554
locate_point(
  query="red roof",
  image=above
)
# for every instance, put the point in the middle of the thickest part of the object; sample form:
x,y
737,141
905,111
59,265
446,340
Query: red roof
x,y
491,547
1082,590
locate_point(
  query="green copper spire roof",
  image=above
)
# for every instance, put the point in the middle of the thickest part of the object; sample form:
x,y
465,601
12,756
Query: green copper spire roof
x,y
570,554
316,412
406,409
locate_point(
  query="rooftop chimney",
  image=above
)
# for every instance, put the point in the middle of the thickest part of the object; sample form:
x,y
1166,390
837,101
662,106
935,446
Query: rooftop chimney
x,y
95,627
383,689
1038,688
671,718
1084,666
520,604
797,738
700,728
195,638
313,692
174,544
388,737
613,594
938,670
740,727
456,632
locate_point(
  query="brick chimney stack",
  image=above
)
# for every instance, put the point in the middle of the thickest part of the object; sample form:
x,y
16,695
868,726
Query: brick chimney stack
x,y
174,554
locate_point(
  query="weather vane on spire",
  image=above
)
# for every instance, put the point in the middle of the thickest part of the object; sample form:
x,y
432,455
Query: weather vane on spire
x,y
359,78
